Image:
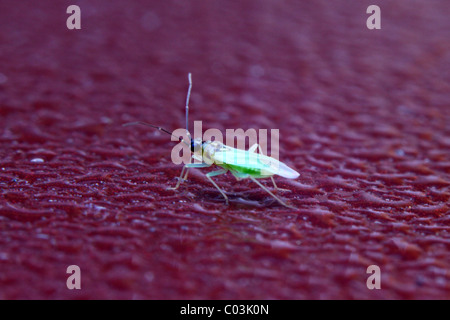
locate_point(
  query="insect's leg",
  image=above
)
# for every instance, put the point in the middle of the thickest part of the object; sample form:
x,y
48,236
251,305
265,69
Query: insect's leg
x,y
179,180
194,165
239,175
186,169
217,173
276,187
274,184
254,147
268,191
257,146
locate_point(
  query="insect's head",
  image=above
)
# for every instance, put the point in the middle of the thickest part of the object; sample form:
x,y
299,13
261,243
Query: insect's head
x,y
196,145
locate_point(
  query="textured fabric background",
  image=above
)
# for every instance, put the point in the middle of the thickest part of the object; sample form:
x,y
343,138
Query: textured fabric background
x,y
363,116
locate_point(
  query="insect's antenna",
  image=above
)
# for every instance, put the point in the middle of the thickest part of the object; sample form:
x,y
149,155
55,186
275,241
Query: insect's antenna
x,y
156,127
187,105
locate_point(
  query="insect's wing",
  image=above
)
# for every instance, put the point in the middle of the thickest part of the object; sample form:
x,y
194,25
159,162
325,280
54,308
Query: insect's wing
x,y
250,160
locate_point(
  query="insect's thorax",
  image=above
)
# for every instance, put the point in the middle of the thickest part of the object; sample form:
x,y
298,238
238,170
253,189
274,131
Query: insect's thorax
x,y
209,148
204,150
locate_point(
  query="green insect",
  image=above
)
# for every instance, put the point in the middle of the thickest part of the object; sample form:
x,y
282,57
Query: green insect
x,y
242,164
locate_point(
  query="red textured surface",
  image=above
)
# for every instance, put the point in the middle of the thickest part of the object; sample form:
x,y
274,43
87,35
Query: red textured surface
x,y
363,116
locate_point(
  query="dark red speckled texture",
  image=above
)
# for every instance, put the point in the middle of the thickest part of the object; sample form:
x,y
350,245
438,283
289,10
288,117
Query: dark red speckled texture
x,y
363,116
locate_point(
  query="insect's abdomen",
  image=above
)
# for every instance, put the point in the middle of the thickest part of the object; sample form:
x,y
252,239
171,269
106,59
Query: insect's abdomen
x,y
254,172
